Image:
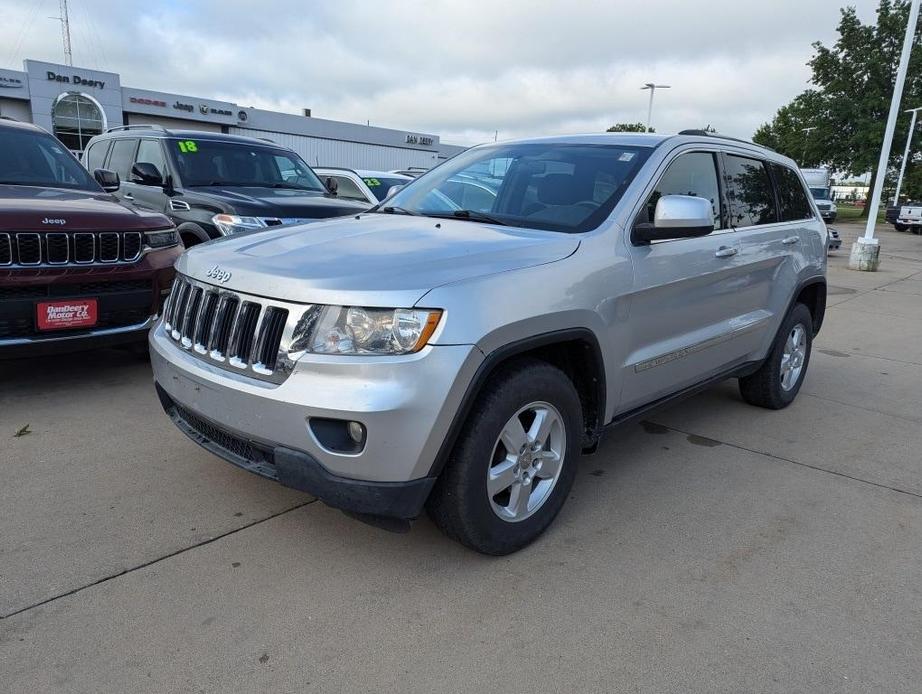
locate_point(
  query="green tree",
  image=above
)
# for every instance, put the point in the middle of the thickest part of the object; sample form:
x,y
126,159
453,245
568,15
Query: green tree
x,y
840,120
629,128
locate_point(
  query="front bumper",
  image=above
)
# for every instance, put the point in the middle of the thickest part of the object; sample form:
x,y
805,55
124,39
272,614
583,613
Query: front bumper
x,y
129,298
405,403
828,215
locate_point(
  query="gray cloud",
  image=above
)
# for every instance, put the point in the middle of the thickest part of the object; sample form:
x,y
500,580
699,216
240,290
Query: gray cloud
x,y
462,70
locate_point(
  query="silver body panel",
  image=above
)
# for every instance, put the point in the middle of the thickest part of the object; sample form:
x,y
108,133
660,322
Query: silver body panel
x,y
666,316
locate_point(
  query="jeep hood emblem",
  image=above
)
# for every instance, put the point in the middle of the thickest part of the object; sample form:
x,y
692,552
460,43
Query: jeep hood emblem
x,y
218,274
50,220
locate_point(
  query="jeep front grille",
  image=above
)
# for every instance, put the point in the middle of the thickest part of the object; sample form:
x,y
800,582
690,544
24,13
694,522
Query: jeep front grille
x,y
29,249
236,332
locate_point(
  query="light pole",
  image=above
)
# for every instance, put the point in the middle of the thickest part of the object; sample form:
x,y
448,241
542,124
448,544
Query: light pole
x,y
652,87
809,129
865,253
899,180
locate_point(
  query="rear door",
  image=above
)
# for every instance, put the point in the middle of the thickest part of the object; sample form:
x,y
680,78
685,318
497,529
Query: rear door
x,y
685,316
775,225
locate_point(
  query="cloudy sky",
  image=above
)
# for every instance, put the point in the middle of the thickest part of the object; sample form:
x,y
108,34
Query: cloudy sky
x,y
458,69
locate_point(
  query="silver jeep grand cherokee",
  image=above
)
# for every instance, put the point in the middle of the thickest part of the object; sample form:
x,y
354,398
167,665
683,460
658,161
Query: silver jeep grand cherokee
x,y
458,347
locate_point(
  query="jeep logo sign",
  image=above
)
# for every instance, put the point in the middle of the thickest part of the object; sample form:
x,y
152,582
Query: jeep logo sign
x,y
49,220
218,274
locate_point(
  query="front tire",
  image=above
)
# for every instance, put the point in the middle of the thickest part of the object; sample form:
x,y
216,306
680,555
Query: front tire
x,y
900,227
515,460
778,380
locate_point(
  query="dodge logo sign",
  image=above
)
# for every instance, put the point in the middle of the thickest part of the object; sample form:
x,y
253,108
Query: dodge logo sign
x,y
218,274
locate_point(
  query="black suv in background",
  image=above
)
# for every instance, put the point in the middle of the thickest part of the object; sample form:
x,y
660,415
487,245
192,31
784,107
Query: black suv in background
x,y
213,184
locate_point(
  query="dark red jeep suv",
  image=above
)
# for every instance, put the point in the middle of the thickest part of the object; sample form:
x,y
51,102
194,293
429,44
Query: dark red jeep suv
x,y
77,269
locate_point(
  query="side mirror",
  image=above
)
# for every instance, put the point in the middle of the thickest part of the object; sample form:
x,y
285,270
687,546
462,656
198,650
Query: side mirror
x,y
107,179
392,190
146,174
332,185
676,217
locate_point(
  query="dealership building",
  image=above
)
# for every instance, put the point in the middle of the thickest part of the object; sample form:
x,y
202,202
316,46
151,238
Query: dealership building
x,y
77,103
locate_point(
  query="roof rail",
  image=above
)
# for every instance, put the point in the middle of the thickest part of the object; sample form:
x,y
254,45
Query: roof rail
x,y
708,133
266,139
8,118
140,126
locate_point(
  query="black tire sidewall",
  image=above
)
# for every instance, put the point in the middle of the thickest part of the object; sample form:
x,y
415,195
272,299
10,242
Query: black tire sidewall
x,y
798,314
464,482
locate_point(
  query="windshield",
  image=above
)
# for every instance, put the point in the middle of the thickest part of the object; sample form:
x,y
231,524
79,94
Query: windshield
x,y
379,185
552,186
820,193
213,163
33,158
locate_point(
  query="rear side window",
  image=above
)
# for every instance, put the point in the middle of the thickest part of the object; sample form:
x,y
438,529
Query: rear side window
x,y
695,174
122,157
348,189
792,198
749,189
95,156
149,151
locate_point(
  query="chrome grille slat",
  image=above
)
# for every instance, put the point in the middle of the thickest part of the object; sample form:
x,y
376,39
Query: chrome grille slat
x,y
189,319
235,332
205,321
29,247
230,305
6,249
57,249
84,248
108,247
179,312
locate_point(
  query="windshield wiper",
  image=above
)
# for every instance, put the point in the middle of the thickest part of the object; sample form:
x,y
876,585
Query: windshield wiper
x,y
391,209
473,216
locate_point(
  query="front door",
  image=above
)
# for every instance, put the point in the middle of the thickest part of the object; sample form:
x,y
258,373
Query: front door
x,y
148,197
686,319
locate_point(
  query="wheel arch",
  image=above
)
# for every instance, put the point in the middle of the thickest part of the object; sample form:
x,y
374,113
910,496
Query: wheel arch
x,y
575,351
187,229
812,294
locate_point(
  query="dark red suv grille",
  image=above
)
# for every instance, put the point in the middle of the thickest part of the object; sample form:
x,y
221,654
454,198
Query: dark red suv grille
x,y
29,249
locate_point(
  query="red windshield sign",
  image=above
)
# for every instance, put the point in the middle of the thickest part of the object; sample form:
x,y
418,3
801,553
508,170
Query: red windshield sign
x,y
71,313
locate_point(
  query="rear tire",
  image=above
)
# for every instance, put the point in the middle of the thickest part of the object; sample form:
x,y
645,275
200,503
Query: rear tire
x,y
777,382
497,500
900,227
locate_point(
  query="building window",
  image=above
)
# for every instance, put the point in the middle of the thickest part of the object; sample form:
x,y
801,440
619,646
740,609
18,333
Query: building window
x,y
76,118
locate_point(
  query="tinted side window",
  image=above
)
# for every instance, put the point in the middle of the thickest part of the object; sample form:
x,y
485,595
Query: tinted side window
x,y
150,151
348,189
693,174
792,197
749,190
122,157
95,156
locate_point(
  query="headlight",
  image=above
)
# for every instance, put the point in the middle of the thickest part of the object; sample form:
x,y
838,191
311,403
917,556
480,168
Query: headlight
x,y
231,223
355,330
161,239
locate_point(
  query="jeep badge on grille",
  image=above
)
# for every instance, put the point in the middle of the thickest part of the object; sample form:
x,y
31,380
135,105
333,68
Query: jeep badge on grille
x,y
218,274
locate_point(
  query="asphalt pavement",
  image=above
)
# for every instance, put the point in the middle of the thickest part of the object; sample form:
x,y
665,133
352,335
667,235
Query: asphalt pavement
x,y
714,547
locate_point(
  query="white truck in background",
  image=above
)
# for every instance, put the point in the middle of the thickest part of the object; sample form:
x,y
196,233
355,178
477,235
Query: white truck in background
x,y
818,182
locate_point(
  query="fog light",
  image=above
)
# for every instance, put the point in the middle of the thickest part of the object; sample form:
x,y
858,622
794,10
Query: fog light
x,y
356,432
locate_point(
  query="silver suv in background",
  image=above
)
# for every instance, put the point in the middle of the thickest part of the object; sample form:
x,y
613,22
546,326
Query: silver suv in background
x,y
460,360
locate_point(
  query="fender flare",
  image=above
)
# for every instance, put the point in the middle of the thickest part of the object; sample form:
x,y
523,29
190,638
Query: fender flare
x,y
193,229
509,351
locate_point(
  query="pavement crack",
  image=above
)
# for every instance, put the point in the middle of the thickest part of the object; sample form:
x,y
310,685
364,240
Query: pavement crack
x,y
818,468
144,565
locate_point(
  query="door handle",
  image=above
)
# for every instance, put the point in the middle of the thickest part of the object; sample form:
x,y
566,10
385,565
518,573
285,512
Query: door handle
x,y
129,196
725,252
790,239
